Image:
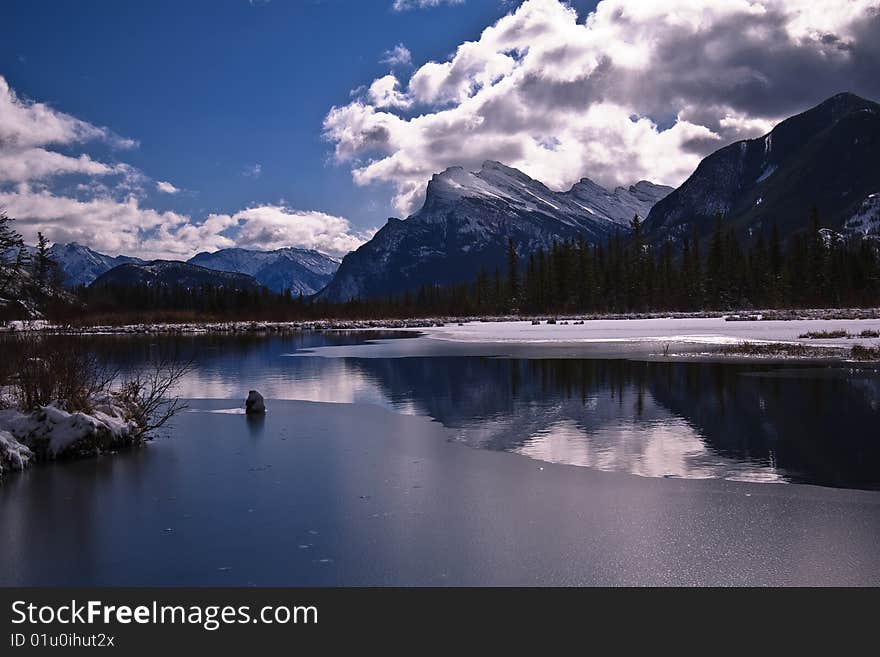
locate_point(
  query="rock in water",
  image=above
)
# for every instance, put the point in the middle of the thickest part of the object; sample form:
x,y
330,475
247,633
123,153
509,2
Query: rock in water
x,y
254,403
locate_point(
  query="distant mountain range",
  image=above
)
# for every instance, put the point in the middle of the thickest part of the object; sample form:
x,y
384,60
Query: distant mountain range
x,y
465,224
80,265
173,273
826,157
301,271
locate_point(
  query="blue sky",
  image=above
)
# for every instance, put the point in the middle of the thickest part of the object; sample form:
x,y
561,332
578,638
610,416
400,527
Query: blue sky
x,y
278,123
211,88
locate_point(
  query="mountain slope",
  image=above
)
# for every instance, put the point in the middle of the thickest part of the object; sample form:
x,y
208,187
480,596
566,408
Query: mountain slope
x,y
466,221
826,156
80,265
170,273
301,271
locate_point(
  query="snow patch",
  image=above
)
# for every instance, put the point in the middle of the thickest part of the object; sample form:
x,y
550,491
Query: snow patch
x,y
708,331
13,455
768,171
55,432
866,220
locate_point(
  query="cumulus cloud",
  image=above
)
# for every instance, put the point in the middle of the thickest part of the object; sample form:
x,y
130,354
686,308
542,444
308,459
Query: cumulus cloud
x,y
166,187
24,124
21,165
406,5
276,226
101,222
28,130
634,90
110,215
127,227
385,92
399,55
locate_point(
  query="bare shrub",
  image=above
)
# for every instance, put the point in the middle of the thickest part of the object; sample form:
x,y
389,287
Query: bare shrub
x,y
824,335
37,370
148,393
861,352
42,369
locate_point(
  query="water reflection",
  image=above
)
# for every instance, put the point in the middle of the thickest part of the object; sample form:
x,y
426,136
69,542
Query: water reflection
x,y
256,423
731,421
754,422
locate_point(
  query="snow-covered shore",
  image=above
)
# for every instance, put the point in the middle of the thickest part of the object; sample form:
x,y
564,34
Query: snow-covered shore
x,y
50,432
695,330
746,317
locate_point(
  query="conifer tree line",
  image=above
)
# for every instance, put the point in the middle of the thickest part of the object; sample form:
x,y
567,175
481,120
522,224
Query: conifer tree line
x,y
24,274
816,268
211,300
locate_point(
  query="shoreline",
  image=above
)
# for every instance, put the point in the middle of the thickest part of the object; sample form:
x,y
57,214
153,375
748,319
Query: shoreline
x,y
249,326
818,335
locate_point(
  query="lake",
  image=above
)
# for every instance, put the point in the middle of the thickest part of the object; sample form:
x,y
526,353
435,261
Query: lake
x,y
388,459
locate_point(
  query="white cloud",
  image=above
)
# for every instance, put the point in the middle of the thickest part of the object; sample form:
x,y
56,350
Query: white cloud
x,y
21,165
103,223
635,90
399,55
276,226
28,128
126,227
406,5
26,124
385,92
166,187
106,211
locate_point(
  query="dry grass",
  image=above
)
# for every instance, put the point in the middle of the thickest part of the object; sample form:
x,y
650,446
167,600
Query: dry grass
x,y
768,349
824,335
860,352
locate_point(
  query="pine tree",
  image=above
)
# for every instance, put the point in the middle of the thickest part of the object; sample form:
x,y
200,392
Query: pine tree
x,y
12,253
43,263
715,266
512,275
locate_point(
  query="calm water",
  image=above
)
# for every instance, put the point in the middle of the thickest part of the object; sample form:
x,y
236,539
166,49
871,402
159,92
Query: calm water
x,y
358,473
807,424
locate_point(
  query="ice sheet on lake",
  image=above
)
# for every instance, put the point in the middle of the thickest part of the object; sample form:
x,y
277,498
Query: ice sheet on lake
x,y
712,331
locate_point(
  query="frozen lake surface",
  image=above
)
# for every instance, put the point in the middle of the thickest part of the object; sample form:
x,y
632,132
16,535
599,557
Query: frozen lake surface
x,y
436,461
706,331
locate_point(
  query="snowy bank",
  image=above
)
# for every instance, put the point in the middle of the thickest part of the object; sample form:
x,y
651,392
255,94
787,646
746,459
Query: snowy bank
x,y
50,432
13,455
234,327
692,330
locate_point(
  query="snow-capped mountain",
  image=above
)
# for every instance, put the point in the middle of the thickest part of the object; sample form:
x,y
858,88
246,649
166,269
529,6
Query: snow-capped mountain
x,y
80,265
173,273
301,271
466,221
825,157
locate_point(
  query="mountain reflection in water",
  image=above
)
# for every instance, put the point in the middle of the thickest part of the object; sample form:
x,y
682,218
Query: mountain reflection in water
x,y
757,422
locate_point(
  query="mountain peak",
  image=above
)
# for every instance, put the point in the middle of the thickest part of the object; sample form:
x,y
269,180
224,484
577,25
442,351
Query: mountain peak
x,y
292,268
466,222
847,97
494,165
824,157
